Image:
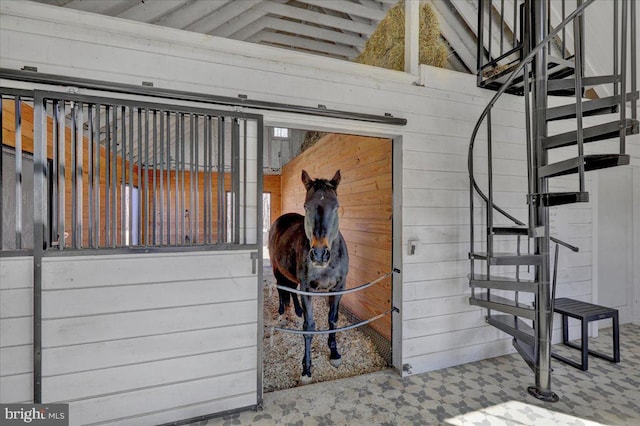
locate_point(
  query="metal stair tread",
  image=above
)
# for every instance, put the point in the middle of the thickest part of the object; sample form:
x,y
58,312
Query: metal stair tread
x,y
566,86
484,277
508,258
591,134
502,283
590,107
510,230
591,162
550,199
557,68
514,327
503,304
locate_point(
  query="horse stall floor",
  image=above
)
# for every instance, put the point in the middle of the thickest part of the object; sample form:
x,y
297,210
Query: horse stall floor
x,y
282,352
488,392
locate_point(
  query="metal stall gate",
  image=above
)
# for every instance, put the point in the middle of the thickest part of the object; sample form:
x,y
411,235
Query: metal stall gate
x,y
130,290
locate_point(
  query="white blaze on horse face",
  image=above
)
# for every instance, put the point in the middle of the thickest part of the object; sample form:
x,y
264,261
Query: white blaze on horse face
x,y
321,226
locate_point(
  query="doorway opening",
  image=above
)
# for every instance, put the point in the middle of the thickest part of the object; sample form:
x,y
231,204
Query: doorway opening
x,y
365,215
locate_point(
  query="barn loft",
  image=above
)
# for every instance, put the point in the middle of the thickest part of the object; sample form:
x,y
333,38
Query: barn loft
x,y
148,145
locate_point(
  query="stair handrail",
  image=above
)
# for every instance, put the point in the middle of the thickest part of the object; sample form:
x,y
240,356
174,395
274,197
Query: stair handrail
x,y
527,59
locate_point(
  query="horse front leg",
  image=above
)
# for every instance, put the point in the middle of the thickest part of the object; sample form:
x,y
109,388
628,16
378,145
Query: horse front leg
x,y
309,324
334,357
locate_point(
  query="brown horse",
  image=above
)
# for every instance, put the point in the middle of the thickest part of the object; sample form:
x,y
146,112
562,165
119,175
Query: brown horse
x,y
310,250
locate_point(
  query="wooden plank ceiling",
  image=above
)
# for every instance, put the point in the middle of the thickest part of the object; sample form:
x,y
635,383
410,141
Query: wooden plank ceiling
x,y
334,28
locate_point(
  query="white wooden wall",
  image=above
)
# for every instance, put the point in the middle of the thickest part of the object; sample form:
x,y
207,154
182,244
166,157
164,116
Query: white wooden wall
x,y
150,338
16,329
437,326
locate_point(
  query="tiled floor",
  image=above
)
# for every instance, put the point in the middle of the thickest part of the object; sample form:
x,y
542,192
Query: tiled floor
x,y
488,392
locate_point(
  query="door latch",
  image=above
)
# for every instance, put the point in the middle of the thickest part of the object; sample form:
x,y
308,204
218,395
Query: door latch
x,y
254,260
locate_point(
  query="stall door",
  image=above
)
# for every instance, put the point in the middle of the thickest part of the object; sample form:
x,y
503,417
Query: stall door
x,y
147,281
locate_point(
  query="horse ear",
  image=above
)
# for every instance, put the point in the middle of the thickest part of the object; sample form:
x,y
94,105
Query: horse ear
x,y
306,180
335,181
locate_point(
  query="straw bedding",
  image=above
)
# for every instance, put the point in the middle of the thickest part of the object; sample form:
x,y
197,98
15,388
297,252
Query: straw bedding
x,y
282,354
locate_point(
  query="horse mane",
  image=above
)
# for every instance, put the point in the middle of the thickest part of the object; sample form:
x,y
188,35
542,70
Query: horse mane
x,y
323,184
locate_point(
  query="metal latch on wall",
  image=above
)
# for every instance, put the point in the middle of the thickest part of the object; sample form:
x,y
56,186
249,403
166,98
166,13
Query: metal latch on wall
x,y
254,260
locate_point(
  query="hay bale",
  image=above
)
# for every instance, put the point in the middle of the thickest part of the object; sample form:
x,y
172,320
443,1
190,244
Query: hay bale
x,y
385,47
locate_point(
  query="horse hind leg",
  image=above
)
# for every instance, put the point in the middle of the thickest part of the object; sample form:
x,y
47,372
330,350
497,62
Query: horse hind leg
x,y
296,305
283,300
286,296
335,358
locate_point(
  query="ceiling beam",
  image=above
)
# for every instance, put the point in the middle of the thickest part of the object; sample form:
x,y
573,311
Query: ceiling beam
x,y
283,40
111,8
348,8
229,11
276,24
117,7
151,10
190,13
315,17
454,30
240,22
371,4
55,2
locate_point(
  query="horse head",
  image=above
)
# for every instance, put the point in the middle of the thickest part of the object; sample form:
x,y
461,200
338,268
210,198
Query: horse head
x,y
321,217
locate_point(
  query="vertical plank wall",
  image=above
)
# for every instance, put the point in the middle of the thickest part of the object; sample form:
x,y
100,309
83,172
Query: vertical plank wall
x,y
16,329
149,339
365,212
272,185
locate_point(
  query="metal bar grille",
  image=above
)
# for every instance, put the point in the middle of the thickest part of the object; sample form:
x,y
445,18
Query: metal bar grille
x,y
127,174
18,167
1,171
60,196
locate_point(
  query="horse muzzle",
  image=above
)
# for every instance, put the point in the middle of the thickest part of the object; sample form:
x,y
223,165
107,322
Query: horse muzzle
x,y
319,256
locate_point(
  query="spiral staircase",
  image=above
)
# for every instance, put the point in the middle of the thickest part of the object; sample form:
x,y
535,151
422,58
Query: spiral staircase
x,y
539,61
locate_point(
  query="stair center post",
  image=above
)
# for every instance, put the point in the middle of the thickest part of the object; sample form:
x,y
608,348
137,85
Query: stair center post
x,y
543,317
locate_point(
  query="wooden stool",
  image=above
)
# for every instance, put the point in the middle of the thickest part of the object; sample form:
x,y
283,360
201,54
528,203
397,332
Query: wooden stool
x,y
585,312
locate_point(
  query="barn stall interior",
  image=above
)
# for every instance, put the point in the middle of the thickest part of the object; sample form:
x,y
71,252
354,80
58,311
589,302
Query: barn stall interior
x,y
365,214
132,268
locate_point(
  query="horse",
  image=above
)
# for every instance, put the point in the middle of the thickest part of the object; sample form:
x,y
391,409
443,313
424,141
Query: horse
x,y
311,251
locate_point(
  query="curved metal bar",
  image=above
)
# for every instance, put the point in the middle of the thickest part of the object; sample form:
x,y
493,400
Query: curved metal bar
x,y
579,10
338,293
337,330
